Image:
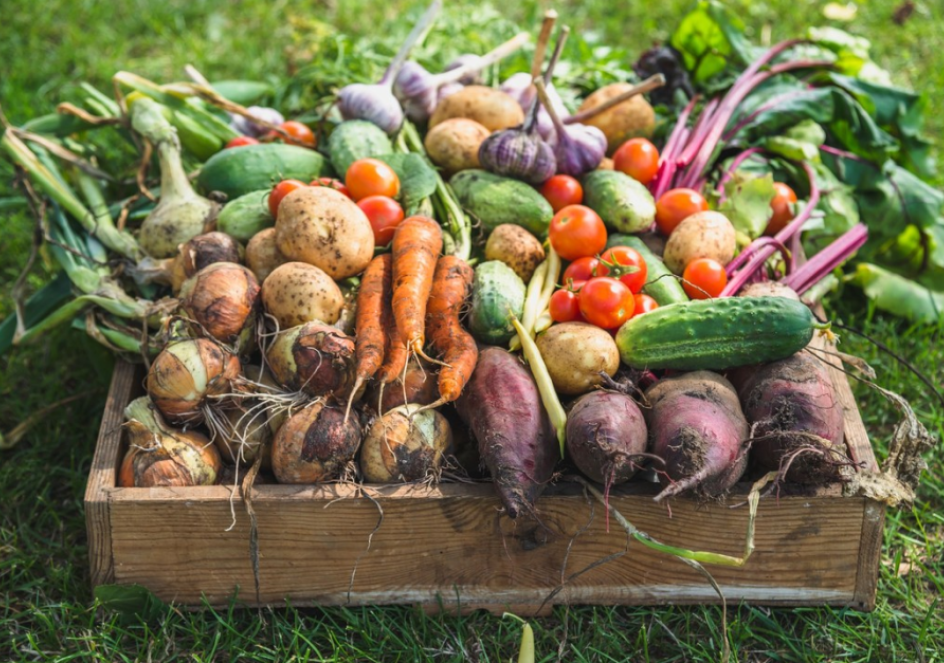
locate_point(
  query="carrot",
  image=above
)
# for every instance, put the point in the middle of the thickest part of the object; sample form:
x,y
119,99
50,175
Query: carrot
x,y
452,284
395,353
373,299
417,244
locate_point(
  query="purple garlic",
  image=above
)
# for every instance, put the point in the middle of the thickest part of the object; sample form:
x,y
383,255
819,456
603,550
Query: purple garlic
x,y
247,127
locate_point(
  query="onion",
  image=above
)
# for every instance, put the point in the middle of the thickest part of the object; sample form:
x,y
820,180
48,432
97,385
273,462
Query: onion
x,y
313,358
316,444
247,435
158,455
405,445
222,298
202,251
186,374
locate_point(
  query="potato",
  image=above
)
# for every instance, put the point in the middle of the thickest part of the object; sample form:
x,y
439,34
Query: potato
x,y
263,255
628,119
703,235
491,108
454,144
606,164
575,353
324,228
296,293
515,247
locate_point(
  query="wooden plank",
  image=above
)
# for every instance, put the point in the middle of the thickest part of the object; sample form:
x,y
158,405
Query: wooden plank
x,y
870,555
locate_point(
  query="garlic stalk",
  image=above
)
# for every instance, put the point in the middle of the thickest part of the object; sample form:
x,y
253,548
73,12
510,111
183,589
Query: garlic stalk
x,y
580,148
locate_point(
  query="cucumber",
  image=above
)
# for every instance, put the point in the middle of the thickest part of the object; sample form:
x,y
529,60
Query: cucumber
x,y
716,333
496,292
241,170
623,203
495,200
661,284
245,216
356,139
244,93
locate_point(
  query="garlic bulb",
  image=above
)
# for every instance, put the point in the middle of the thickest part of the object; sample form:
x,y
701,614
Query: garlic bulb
x,y
579,148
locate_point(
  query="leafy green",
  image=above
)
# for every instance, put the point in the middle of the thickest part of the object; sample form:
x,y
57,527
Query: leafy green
x,y
417,179
133,603
710,38
747,202
37,307
898,295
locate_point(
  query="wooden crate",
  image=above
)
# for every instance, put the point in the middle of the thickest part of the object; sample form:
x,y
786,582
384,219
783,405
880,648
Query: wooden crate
x,y
446,548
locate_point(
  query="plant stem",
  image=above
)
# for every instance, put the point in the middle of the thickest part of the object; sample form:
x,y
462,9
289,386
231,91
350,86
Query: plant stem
x,y
547,25
417,33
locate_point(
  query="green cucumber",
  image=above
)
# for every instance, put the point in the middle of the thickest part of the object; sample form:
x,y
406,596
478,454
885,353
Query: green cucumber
x,y
245,216
356,139
240,170
622,202
716,333
244,93
661,284
496,293
495,200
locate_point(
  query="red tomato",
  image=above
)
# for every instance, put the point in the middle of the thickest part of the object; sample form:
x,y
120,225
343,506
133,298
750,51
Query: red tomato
x,y
606,302
332,183
371,177
676,205
279,191
577,231
241,141
624,256
561,191
781,206
384,214
638,158
565,306
704,278
300,134
581,269
644,304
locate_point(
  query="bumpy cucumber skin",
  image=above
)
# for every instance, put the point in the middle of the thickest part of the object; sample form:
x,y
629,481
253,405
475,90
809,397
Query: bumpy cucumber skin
x,y
242,170
623,203
495,200
496,292
245,216
356,139
661,284
716,333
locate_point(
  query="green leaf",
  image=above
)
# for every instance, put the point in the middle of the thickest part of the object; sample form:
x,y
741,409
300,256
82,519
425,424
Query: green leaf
x,y
417,179
41,304
709,39
898,295
747,205
133,603
792,149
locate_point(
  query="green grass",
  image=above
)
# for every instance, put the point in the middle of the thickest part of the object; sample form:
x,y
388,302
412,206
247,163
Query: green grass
x,y
46,608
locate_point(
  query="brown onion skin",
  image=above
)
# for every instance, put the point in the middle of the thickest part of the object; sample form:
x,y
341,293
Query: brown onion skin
x,y
169,382
315,445
202,251
164,465
323,357
222,299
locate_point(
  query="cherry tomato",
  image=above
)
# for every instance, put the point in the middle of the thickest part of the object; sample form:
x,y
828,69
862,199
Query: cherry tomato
x,y
577,231
241,141
561,191
332,183
704,278
371,177
301,134
565,306
638,158
384,214
279,191
581,269
624,256
781,206
606,302
644,304
676,205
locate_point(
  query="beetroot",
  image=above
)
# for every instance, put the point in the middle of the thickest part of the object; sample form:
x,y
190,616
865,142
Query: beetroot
x,y
697,428
790,405
606,433
502,406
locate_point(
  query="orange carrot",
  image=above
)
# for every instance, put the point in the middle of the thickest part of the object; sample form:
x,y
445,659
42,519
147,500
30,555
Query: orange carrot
x,y
452,284
417,244
373,300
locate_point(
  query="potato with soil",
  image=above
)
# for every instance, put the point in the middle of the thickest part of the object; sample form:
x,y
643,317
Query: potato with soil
x,y
575,354
316,444
702,235
454,144
263,255
628,119
405,445
491,108
515,247
296,293
323,227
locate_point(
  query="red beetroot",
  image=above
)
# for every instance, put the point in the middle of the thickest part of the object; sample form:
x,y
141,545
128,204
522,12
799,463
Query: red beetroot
x,y
606,433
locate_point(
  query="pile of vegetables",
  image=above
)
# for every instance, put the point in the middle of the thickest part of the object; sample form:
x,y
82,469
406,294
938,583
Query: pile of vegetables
x,y
503,274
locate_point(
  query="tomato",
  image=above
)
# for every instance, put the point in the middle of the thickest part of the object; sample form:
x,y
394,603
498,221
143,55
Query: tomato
x,y
606,302
241,141
581,269
704,278
561,191
781,205
279,191
644,304
577,231
301,134
620,257
384,214
371,177
332,183
565,306
638,158
676,205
